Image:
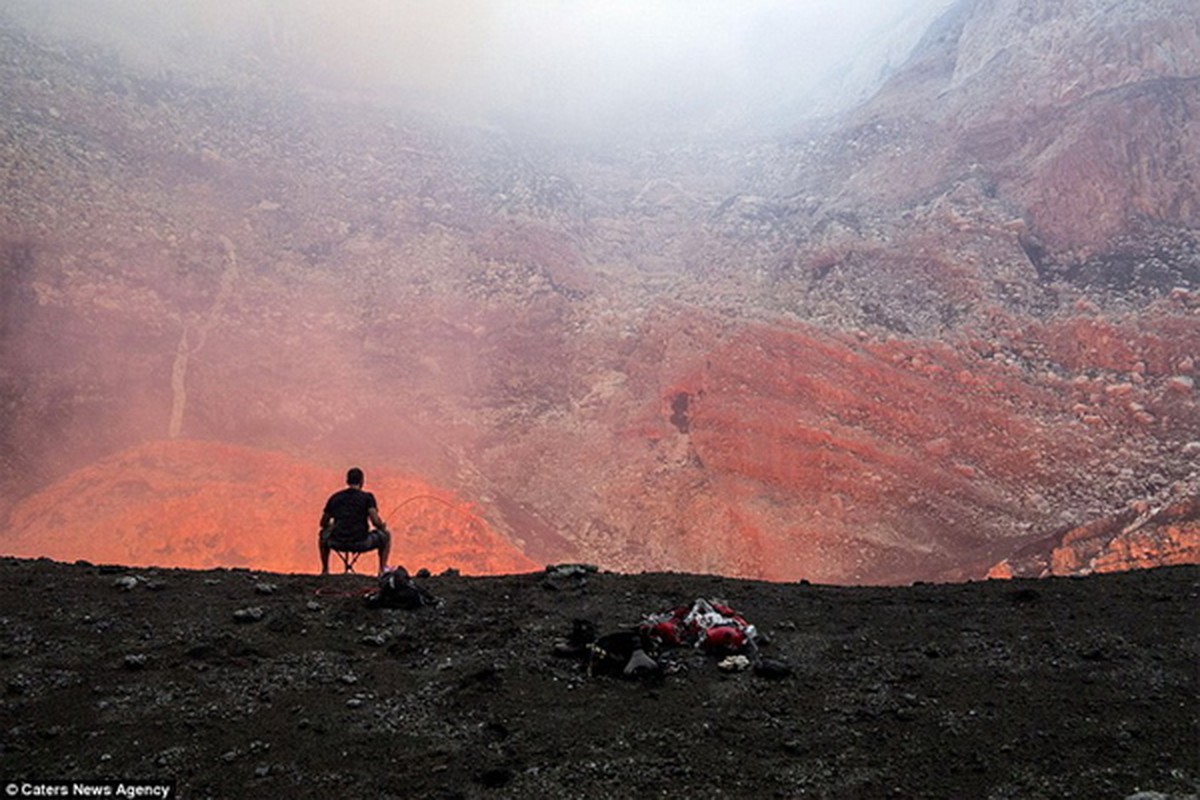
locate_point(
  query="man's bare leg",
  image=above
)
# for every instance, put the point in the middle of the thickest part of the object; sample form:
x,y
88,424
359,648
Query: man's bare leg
x,y
385,547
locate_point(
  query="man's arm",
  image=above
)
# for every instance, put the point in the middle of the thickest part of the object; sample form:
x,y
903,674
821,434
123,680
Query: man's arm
x,y
373,513
327,518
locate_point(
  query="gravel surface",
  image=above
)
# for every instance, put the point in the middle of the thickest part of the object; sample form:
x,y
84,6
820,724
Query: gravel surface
x,y
233,683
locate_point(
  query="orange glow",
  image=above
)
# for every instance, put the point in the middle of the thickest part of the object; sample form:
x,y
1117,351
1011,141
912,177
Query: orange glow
x,y
201,504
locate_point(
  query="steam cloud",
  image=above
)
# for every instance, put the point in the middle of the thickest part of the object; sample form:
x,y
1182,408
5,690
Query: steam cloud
x,y
567,67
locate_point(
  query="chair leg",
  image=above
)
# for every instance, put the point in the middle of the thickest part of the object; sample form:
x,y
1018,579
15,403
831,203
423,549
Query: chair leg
x,y
349,558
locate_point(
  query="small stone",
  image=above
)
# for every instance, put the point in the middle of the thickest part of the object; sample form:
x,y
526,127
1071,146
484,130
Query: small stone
x,y
354,702
734,664
247,615
570,570
126,583
135,661
496,777
266,588
313,605
1182,384
772,669
349,679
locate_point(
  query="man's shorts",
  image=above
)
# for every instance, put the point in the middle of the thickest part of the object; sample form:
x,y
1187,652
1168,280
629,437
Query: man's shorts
x,y
373,540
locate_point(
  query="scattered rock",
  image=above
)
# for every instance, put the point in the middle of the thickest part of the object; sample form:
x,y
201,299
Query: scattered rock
x,y
570,570
495,777
734,664
246,615
474,687
1181,384
772,669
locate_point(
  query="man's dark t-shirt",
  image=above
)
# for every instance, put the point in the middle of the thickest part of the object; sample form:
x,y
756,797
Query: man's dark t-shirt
x,y
349,511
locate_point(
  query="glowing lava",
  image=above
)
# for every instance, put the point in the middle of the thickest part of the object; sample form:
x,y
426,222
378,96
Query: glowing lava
x,y
202,504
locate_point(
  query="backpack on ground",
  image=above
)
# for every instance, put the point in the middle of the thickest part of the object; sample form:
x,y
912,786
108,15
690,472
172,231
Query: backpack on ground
x,y
396,590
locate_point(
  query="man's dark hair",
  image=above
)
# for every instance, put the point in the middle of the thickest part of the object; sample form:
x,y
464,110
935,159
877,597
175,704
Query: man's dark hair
x,y
354,477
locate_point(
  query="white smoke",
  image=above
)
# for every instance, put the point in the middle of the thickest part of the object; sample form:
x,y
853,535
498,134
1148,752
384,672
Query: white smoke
x,y
573,67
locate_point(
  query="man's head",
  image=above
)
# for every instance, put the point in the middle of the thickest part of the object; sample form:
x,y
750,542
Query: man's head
x,y
354,477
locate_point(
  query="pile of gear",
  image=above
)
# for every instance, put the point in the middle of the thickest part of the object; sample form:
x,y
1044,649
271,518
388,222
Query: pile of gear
x,y
709,625
656,645
397,590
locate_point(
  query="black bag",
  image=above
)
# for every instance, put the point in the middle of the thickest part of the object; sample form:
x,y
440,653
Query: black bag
x,y
622,654
396,590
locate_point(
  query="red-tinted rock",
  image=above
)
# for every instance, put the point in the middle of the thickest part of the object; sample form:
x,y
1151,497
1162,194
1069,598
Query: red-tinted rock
x,y
1140,537
1078,112
609,366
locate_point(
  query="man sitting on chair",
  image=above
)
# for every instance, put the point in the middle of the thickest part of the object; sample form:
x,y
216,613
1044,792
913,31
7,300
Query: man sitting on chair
x,y
344,523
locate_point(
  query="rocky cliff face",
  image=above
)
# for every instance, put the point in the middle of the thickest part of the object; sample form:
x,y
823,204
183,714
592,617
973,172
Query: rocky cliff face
x,y
1139,537
1079,116
904,348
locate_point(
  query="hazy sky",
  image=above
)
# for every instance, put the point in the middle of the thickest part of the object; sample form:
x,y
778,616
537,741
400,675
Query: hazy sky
x,y
576,64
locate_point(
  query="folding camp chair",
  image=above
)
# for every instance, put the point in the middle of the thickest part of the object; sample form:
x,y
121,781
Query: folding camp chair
x,y
348,558
349,554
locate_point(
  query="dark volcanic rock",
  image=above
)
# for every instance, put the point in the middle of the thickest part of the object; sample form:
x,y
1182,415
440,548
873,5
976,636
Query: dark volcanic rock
x,y
1063,688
